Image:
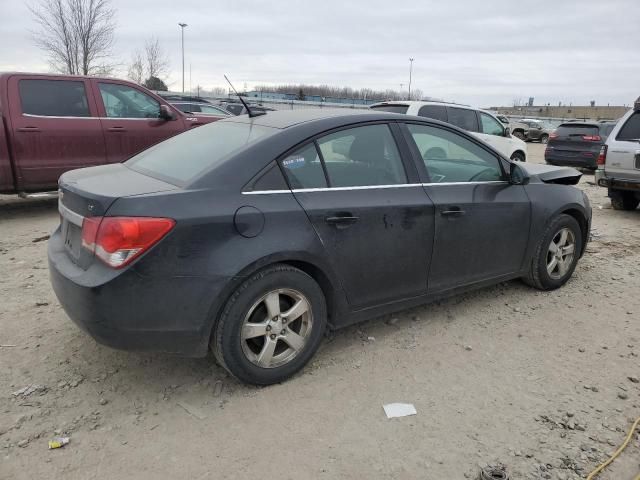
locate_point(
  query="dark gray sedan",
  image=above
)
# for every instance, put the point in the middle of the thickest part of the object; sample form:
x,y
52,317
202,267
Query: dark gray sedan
x,y
252,236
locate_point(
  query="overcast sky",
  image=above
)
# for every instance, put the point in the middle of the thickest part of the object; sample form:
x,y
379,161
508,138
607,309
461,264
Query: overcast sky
x,y
482,52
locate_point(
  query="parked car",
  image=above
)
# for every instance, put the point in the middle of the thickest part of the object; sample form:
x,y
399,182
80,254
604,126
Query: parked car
x,y
53,123
236,108
529,130
269,230
480,123
503,118
619,162
577,144
201,108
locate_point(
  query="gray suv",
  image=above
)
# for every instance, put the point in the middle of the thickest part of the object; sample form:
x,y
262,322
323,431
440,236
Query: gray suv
x,y
619,162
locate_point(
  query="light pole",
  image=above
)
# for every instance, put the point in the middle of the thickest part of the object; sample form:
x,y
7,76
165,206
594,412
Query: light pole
x,y
182,25
410,72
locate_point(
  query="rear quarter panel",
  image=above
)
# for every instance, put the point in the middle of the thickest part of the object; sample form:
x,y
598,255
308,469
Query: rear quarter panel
x,y
206,244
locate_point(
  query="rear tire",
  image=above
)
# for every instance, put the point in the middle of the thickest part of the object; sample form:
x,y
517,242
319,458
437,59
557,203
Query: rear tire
x,y
624,200
518,157
556,254
271,326
544,139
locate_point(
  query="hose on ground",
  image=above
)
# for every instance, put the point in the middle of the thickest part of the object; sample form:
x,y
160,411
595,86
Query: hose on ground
x,y
615,455
493,473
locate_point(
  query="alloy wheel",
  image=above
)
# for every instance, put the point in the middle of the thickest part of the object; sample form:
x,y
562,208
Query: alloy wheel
x,y
276,328
560,253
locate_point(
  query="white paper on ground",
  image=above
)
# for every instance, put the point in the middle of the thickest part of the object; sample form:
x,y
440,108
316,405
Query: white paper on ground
x,y
394,410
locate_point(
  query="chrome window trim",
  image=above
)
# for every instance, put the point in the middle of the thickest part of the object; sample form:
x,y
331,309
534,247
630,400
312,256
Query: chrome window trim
x,y
368,187
464,183
58,116
330,189
91,118
70,215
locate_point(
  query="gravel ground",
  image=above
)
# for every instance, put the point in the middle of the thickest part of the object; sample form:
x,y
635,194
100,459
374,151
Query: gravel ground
x,y
543,383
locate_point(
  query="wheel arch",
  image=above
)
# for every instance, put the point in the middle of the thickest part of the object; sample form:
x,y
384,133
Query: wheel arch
x,y
522,152
316,269
581,218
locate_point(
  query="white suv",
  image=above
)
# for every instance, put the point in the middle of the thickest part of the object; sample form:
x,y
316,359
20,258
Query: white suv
x,y
619,162
480,123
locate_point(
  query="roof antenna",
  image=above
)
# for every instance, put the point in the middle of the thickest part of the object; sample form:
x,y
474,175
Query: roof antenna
x,y
251,114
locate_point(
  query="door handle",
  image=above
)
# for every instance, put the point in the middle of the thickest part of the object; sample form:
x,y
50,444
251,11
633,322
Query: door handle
x,y
29,129
341,221
117,129
452,212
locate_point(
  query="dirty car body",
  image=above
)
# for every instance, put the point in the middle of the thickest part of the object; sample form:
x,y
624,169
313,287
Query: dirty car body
x,y
366,204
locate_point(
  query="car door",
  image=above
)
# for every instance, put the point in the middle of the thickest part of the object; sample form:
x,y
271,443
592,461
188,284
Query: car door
x,y
374,220
481,221
131,120
54,128
493,132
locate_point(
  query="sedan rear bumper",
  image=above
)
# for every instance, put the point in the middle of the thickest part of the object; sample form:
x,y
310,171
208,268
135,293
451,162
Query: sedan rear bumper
x,y
129,311
580,162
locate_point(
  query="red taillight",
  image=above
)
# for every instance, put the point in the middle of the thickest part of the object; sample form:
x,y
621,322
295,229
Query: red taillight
x,y
553,135
602,158
117,241
591,138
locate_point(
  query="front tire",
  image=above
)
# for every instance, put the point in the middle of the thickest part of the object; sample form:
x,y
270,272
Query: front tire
x,y
556,254
624,200
544,139
519,134
271,326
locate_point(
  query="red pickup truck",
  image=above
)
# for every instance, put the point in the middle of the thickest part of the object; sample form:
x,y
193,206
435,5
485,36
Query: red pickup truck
x,y
53,123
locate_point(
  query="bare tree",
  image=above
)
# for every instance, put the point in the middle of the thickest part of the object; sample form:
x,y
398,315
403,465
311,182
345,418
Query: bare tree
x,y
136,68
149,65
155,59
76,35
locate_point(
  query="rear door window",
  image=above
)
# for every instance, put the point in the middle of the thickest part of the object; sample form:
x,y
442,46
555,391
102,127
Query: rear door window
x,y
437,112
54,98
463,118
391,108
362,156
631,129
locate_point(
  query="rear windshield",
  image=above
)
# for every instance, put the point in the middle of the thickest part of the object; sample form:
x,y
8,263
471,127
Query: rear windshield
x,y
182,158
568,129
391,108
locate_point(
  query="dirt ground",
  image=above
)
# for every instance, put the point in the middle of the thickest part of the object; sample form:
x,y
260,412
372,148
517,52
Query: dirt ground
x,y
538,382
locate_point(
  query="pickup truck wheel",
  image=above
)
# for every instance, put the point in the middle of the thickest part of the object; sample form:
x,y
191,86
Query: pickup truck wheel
x,y
544,139
518,157
271,326
624,201
556,254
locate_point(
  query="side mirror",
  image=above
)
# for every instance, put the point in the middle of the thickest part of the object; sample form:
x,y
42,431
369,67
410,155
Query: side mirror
x,y
166,113
507,132
517,174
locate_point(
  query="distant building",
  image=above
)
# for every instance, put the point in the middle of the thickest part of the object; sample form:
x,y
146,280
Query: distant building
x,y
308,98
